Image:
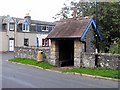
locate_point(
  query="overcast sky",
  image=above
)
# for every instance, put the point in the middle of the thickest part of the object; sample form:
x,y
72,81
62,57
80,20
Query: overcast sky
x,y
42,10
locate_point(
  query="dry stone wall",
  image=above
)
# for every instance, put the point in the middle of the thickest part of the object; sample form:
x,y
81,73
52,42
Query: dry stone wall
x,y
80,59
31,52
104,60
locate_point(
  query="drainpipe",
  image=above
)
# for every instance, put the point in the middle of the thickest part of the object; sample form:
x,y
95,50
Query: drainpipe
x,y
97,47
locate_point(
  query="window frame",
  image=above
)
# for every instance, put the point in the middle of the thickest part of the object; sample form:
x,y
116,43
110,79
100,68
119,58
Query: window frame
x,y
47,28
4,26
45,42
11,28
25,27
26,42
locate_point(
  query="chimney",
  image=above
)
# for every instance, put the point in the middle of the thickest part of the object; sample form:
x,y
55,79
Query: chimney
x,y
74,14
28,17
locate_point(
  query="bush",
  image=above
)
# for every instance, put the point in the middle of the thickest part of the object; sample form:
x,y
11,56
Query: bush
x,y
115,48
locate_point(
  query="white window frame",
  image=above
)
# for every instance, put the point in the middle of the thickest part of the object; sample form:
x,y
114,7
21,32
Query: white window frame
x,y
11,26
25,27
45,42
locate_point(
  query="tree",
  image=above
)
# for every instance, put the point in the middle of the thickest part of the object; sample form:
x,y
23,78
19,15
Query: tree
x,y
83,9
108,18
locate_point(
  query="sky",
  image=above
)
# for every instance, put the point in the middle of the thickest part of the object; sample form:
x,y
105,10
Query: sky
x,y
42,10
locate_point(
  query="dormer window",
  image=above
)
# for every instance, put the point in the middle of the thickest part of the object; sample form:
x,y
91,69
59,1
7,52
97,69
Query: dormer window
x,y
25,28
4,26
44,28
12,26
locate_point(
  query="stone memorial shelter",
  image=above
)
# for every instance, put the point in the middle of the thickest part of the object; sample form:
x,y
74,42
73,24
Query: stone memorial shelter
x,y
70,38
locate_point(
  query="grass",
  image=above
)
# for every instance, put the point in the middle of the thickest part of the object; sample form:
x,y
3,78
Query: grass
x,y
91,71
44,65
96,72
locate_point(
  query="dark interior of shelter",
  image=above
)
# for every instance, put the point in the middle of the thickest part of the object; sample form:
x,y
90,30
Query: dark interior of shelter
x,y
66,52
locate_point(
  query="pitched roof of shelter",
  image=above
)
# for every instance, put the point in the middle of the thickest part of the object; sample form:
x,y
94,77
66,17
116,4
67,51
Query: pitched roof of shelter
x,y
71,28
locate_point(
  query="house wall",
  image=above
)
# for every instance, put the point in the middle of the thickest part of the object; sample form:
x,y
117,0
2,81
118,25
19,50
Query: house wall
x,y
42,36
20,39
4,41
0,41
0,33
0,23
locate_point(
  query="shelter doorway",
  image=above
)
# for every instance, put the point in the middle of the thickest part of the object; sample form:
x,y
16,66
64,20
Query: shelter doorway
x,y
66,52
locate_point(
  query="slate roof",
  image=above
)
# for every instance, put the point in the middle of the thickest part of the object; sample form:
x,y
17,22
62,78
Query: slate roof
x,y
21,20
70,28
42,22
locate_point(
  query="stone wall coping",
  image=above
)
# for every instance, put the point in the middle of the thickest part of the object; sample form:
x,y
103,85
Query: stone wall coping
x,y
34,47
107,54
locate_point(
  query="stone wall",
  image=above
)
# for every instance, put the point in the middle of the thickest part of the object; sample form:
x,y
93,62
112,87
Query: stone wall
x,y
54,53
88,60
81,59
78,47
31,52
102,60
109,60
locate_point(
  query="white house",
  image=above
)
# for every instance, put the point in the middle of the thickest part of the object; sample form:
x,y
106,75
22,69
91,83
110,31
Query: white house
x,y
17,32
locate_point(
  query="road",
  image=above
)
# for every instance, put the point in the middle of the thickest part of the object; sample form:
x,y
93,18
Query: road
x,y
21,76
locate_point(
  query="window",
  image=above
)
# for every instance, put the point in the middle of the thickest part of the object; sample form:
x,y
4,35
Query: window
x,y
26,42
44,28
38,28
25,27
51,28
33,27
11,26
45,42
4,26
19,27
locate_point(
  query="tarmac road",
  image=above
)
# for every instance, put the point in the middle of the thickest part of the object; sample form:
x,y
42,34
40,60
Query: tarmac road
x,y
21,76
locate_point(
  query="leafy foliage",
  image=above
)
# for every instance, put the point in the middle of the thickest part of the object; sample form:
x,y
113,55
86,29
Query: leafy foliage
x,y
115,48
108,20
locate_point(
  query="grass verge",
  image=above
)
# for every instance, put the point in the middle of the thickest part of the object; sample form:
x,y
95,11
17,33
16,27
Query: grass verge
x,y
96,72
27,61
